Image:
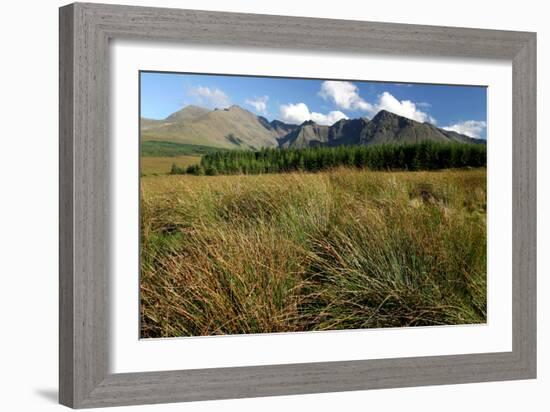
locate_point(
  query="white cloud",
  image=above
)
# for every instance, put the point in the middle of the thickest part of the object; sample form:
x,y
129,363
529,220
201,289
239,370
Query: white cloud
x,y
214,98
295,113
258,103
299,113
345,95
328,119
405,108
472,128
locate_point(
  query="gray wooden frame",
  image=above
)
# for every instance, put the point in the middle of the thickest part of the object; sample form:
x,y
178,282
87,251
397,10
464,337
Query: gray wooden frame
x,y
85,31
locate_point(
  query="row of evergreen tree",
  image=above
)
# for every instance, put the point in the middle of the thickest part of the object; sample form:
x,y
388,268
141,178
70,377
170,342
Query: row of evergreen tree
x,y
419,156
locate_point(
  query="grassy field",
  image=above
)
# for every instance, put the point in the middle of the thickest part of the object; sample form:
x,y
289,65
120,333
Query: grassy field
x,y
296,252
163,164
153,148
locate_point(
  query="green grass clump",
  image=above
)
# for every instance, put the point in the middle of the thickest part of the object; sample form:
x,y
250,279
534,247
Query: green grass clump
x,y
158,148
341,249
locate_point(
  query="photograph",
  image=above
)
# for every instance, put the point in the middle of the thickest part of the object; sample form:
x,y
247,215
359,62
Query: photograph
x,y
285,205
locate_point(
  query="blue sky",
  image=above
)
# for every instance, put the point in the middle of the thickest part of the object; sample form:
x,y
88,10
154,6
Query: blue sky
x,y
459,108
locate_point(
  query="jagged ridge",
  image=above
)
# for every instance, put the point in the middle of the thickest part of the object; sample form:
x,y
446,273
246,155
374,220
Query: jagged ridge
x,y
235,127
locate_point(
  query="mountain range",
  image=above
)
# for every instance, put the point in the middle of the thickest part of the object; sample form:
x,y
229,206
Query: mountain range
x,y
238,128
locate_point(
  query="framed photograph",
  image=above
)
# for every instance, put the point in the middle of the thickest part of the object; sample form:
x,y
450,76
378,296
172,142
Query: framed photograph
x,y
256,205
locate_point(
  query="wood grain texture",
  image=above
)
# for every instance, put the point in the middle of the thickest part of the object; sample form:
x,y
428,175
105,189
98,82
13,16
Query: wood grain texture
x,y
524,225
84,143
85,31
66,183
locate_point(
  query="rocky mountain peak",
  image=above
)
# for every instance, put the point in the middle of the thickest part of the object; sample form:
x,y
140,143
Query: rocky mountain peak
x,y
308,122
384,115
200,126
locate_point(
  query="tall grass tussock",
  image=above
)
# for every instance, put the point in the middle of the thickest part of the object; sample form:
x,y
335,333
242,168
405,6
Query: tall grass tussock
x,y
339,249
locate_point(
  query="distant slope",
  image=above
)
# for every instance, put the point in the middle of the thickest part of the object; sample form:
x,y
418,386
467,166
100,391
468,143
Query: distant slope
x,y
188,113
149,123
234,127
307,134
237,128
385,127
281,128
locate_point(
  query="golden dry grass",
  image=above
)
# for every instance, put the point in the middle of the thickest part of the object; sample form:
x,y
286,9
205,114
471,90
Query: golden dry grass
x,y
295,252
162,165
